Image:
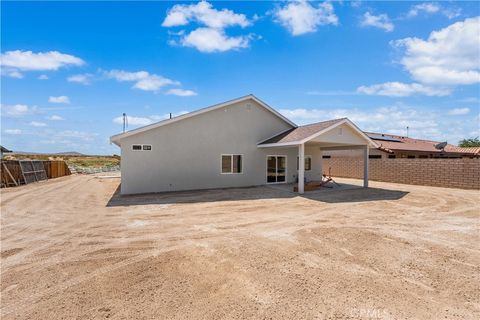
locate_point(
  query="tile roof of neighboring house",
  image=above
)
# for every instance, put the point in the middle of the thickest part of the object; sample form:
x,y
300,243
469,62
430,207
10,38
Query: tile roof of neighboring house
x,y
469,150
400,143
301,132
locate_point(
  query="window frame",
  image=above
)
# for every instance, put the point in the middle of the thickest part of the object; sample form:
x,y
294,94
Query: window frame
x,y
276,168
305,157
142,147
231,155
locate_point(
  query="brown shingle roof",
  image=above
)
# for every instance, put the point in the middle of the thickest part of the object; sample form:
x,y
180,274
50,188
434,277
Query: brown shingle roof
x,y
301,132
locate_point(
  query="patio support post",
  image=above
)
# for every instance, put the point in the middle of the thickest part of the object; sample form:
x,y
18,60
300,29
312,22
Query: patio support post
x,y
301,168
365,167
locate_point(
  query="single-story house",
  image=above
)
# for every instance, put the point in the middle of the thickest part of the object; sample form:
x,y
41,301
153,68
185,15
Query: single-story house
x,y
392,146
238,143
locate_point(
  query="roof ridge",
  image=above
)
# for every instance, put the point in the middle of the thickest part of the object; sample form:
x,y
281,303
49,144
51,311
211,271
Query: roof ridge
x,y
331,120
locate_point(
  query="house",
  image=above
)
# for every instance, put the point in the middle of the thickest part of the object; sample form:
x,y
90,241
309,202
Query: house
x,y
3,150
238,143
394,146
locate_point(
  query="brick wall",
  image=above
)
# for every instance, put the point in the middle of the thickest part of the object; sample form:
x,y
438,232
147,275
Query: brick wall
x,y
453,173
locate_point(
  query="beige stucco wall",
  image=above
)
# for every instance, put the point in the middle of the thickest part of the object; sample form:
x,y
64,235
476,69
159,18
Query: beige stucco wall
x,y
186,154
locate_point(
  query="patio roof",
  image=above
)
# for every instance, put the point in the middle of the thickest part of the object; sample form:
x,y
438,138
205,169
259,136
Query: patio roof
x,y
305,133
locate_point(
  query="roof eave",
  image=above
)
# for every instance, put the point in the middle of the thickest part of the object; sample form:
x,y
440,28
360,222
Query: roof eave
x,y
116,138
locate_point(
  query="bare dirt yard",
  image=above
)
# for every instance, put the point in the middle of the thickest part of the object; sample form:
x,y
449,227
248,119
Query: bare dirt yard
x,y
71,248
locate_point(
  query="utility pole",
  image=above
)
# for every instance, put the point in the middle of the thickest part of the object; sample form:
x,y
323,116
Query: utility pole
x,y
124,121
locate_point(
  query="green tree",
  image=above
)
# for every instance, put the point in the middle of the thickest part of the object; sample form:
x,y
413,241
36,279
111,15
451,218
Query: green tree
x,y
469,143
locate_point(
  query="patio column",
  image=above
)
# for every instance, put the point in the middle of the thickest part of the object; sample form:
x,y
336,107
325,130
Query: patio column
x,y
365,167
301,167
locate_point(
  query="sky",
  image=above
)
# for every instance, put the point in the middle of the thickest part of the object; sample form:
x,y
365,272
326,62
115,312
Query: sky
x,y
70,69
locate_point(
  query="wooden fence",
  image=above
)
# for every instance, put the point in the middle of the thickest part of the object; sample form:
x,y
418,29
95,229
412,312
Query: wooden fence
x,y
53,169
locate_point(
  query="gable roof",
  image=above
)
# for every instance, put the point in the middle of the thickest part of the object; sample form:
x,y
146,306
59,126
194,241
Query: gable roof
x,y
307,132
299,133
116,138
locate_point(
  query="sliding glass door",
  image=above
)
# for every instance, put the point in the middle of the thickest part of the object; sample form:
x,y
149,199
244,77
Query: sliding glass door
x,y
276,169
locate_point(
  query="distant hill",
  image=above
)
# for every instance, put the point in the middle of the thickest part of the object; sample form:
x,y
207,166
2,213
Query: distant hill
x,y
67,153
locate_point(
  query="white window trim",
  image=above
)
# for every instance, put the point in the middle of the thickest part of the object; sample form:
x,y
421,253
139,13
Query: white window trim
x,y
311,163
231,163
286,168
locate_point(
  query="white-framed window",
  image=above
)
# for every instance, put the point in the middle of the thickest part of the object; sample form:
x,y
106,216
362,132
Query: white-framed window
x,y
308,163
141,147
232,163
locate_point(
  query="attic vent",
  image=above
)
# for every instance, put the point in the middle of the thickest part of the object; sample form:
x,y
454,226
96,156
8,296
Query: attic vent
x,y
340,131
249,106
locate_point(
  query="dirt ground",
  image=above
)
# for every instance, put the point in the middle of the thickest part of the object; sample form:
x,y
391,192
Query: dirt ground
x,y
73,249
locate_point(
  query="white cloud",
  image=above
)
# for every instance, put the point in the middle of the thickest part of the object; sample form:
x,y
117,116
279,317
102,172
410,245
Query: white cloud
x,y
12,73
16,110
458,111
300,17
451,13
143,80
81,78
212,37
43,77
55,118
13,131
38,124
134,121
381,21
182,92
432,8
15,61
427,7
450,56
203,13
213,40
355,3
399,89
59,99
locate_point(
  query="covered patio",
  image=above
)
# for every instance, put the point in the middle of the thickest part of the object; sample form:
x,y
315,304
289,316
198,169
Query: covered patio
x,y
338,134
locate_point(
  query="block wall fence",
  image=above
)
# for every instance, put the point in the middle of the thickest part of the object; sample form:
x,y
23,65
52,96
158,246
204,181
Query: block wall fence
x,y
461,173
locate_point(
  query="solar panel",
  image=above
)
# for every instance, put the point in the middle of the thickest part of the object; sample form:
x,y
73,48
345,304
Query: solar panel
x,y
383,138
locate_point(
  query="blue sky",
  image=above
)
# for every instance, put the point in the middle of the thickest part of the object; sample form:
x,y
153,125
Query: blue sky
x,y
70,69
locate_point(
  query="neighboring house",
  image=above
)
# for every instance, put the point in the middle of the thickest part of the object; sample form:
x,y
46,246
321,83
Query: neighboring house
x,y
239,143
3,150
393,146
